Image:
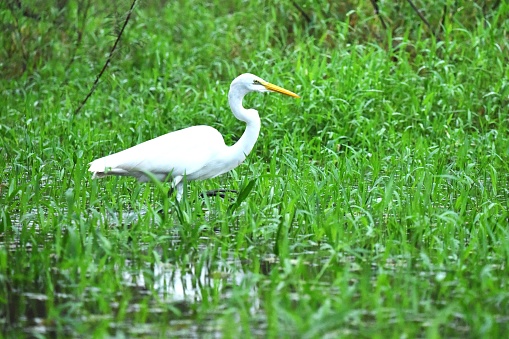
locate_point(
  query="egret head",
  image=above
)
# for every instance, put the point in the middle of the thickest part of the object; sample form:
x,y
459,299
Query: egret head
x,y
252,83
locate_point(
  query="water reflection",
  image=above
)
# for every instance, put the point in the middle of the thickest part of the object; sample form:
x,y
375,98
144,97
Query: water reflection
x,y
177,284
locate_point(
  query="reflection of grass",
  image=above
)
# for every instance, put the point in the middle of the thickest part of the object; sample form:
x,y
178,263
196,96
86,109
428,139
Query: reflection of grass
x,y
376,204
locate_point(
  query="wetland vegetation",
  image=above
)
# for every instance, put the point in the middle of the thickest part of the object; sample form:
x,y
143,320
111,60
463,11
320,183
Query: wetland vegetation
x,y
374,206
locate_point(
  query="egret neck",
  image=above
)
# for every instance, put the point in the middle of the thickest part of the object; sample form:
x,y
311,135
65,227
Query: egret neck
x,y
245,144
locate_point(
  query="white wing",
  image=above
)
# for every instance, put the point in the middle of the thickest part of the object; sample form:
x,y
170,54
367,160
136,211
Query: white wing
x,y
186,151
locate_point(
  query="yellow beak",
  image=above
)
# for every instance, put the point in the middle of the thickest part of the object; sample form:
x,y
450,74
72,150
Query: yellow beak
x,y
274,88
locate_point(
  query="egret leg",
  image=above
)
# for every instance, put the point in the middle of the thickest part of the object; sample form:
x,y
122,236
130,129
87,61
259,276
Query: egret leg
x,y
180,191
178,185
221,192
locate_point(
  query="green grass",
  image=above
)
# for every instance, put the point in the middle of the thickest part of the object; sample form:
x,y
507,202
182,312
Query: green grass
x,y
377,205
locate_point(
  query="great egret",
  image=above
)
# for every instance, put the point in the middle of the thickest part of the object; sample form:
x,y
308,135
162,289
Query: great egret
x,y
197,152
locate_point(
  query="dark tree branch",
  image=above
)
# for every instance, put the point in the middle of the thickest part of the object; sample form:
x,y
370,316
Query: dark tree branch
x,y
421,16
440,28
110,56
80,31
24,52
495,5
304,14
377,12
485,10
26,12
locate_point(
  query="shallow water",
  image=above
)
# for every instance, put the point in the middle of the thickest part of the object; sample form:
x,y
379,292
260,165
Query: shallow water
x,y
193,298
177,287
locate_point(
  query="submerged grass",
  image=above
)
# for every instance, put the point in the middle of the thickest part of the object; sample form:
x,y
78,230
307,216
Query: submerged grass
x,y
377,205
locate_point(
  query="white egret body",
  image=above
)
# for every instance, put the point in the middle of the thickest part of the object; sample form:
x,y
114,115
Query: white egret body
x,y
197,152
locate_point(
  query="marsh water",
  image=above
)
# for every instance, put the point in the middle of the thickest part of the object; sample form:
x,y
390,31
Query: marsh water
x,y
166,293
197,297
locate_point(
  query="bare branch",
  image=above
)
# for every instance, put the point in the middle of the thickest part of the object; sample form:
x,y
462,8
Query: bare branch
x,y
80,29
19,35
421,16
377,12
96,82
304,14
26,12
495,5
441,26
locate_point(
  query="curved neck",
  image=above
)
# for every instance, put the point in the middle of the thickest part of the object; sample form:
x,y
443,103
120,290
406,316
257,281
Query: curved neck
x,y
245,144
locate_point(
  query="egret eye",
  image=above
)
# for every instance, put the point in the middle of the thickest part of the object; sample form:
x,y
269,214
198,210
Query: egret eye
x,y
256,82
